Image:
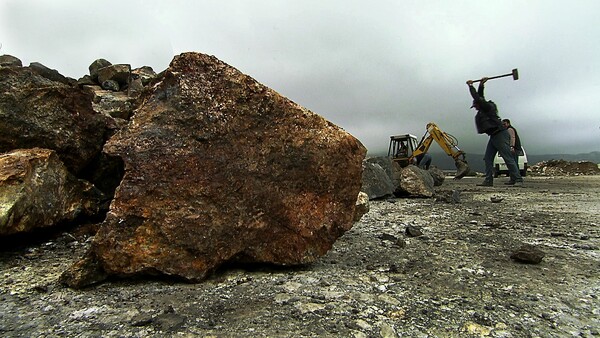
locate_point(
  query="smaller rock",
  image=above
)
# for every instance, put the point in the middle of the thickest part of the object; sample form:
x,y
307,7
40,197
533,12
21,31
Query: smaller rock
x,y
388,237
437,174
50,74
145,74
413,231
528,254
10,61
37,191
496,199
120,73
448,196
456,196
143,319
86,271
95,66
111,85
85,80
135,87
169,321
362,206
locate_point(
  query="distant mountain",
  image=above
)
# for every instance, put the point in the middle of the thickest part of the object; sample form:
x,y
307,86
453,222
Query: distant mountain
x,y
445,162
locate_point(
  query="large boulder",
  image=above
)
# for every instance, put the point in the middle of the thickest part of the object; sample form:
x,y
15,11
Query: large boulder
x,y
376,182
220,168
38,112
391,168
37,191
415,182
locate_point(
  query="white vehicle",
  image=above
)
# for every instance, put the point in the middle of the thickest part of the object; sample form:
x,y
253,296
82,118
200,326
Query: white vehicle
x,y
501,169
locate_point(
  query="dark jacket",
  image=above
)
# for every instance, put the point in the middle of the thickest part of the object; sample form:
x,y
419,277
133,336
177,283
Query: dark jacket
x,y
486,119
517,139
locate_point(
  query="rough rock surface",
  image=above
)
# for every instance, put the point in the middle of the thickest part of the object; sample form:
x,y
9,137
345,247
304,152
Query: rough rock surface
x,y
48,73
457,280
437,174
120,73
376,183
37,191
145,74
415,182
362,206
219,168
119,105
38,112
528,254
95,67
391,168
562,167
383,177
10,61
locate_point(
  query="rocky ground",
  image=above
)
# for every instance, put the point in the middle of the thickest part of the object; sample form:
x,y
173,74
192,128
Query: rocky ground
x,y
456,280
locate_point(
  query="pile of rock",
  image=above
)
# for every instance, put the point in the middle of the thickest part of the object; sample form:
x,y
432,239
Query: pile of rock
x,y
565,168
194,167
383,178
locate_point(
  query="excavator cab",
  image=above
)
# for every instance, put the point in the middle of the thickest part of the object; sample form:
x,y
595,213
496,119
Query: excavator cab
x,y
401,148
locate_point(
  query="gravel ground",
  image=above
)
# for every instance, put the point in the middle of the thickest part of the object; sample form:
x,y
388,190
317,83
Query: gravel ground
x,y
455,280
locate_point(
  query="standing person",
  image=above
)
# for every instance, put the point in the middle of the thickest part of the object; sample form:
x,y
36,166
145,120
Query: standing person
x,y
488,122
515,141
424,161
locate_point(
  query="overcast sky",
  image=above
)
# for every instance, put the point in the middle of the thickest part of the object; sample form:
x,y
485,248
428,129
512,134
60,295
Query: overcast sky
x,y
374,68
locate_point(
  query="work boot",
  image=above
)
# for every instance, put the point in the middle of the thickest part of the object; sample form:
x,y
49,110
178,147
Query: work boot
x,y
510,183
486,184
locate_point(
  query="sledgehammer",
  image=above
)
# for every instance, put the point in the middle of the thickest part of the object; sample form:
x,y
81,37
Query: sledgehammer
x,y
514,74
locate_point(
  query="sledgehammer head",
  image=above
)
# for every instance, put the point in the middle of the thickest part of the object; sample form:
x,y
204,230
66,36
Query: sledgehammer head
x,y
515,74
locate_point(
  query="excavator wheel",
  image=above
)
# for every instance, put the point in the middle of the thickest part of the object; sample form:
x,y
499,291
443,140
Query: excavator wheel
x,y
462,169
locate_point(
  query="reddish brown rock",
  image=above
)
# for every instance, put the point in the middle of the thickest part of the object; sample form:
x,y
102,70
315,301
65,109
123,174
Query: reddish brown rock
x,y
37,191
220,168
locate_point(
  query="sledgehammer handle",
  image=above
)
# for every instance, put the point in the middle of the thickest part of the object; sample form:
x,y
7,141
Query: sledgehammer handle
x,y
514,74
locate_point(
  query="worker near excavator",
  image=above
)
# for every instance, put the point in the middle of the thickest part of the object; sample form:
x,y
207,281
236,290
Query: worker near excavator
x,y
423,161
515,141
488,122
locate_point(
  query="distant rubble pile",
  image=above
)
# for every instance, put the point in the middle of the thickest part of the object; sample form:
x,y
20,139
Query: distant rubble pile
x,y
565,168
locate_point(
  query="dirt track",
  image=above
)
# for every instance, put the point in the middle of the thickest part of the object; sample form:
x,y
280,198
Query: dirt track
x,y
457,280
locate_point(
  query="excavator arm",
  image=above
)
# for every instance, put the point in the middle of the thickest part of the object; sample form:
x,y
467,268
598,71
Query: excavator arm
x,y
448,143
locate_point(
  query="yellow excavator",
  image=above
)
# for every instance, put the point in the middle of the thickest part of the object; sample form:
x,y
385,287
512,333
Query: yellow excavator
x,y
404,149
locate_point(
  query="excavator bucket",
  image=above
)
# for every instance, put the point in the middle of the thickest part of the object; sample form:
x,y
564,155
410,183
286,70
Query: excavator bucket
x,y
462,169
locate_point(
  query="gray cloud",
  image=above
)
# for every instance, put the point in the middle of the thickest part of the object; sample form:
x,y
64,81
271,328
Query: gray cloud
x,y
375,69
